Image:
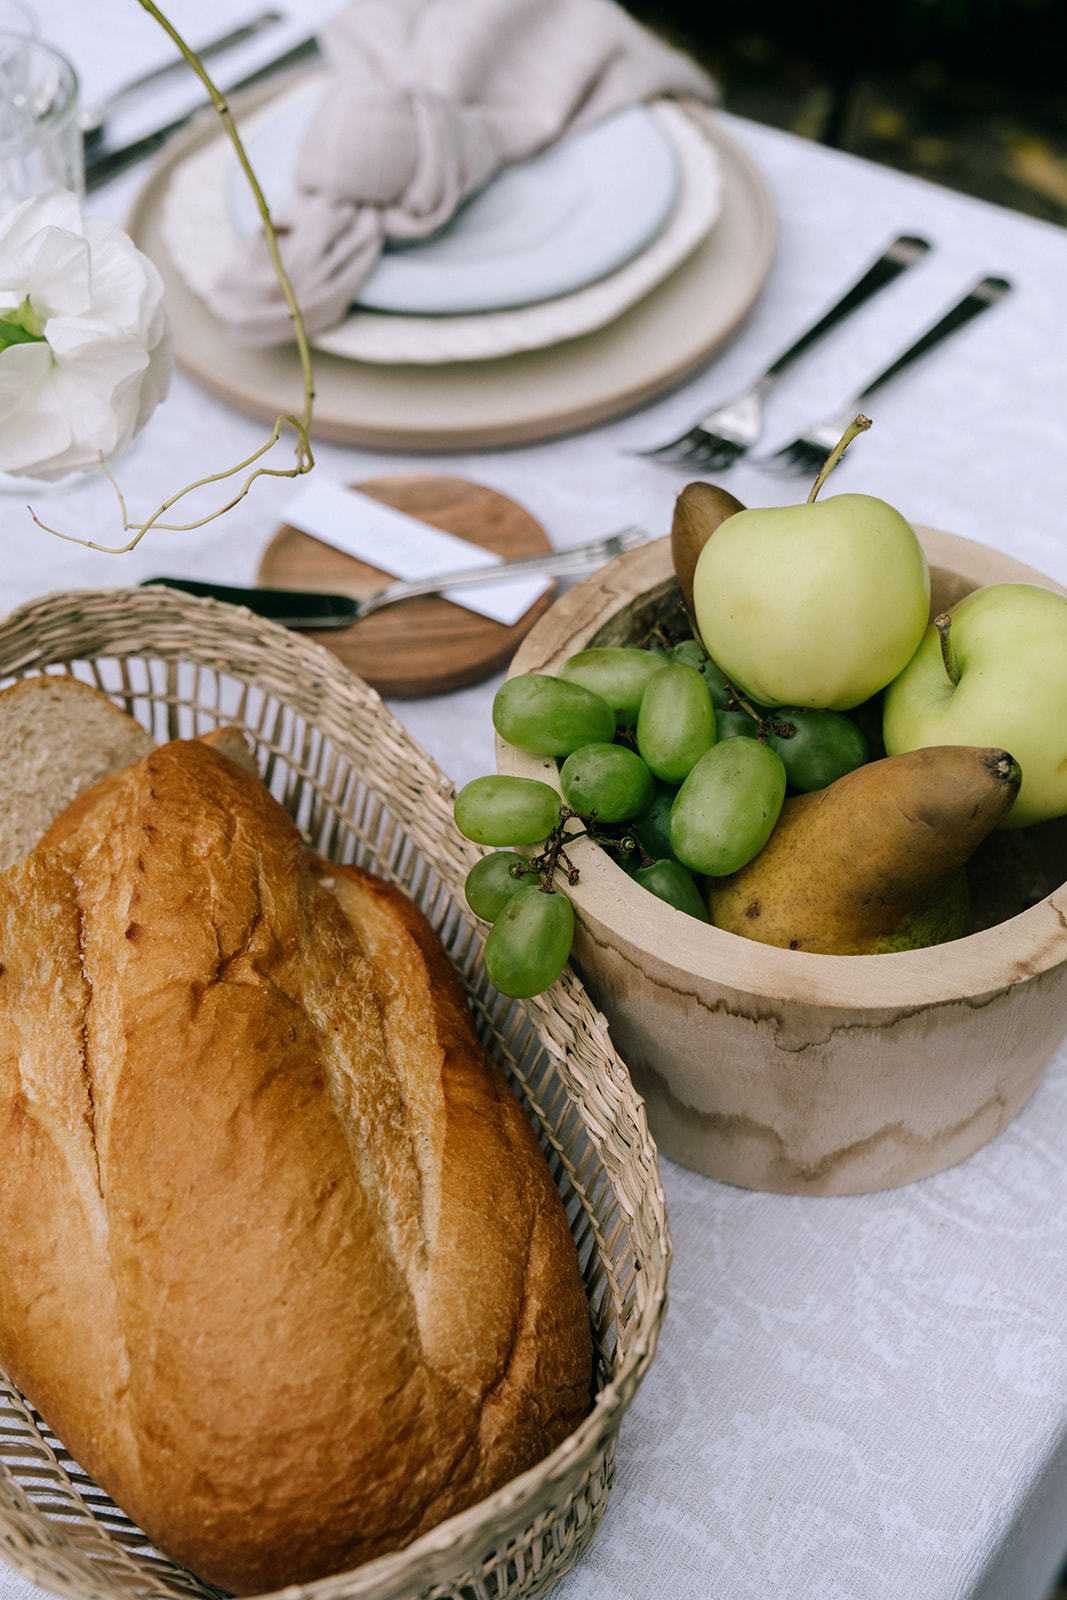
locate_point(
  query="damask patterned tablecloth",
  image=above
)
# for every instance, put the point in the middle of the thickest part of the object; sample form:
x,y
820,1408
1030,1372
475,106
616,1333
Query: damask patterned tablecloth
x,y
854,1399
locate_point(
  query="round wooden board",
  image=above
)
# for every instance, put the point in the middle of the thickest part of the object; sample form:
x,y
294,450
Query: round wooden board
x,y
424,646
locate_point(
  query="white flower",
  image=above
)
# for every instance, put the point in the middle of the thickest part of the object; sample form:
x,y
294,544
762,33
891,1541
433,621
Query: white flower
x,y
85,348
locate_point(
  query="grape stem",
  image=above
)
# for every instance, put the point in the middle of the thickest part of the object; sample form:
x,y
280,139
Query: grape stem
x,y
520,872
628,845
547,860
764,725
739,699
624,844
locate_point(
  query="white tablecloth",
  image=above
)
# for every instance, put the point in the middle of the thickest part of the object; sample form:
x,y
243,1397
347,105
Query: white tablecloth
x,y
858,1399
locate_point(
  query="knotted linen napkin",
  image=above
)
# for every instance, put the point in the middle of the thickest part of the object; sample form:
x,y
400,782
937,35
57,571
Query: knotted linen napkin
x,y
428,99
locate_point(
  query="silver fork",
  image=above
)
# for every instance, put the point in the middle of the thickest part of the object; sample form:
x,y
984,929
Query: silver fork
x,y
719,438
810,452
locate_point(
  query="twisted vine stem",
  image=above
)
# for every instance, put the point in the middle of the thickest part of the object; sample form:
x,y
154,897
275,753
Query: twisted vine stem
x,y
301,425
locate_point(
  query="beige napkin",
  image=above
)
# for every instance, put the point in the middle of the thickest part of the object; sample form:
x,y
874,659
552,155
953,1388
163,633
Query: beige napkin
x,y
430,98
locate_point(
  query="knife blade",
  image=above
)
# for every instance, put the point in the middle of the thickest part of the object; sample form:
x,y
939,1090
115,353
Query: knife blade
x,y
103,163
296,608
93,119
293,608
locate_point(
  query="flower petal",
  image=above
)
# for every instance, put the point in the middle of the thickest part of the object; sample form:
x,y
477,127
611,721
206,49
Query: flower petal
x,y
108,355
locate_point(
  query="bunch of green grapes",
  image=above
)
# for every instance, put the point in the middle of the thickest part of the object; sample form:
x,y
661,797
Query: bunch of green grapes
x,y
660,761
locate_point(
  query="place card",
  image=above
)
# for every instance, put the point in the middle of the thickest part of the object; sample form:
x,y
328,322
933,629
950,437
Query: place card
x,y
404,547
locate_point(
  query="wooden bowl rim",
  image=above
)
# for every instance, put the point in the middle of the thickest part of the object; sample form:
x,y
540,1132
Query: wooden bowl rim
x,y
982,964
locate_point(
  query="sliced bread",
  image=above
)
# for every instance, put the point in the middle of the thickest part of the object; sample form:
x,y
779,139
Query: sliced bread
x,y
58,736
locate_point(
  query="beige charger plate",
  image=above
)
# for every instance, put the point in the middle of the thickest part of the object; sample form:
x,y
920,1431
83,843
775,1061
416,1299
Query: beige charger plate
x,y
483,404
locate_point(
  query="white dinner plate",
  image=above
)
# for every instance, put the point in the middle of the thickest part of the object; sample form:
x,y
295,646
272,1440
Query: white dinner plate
x,y
384,337
485,404
547,225
201,238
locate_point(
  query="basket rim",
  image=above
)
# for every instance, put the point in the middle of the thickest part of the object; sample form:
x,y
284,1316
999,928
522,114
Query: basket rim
x,y
512,1505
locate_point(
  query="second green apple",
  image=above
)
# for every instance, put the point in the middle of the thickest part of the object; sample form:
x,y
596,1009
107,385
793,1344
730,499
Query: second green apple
x,y
1000,679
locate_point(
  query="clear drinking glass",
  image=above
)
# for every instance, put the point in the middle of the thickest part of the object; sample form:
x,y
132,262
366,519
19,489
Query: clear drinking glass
x,y
18,18
40,142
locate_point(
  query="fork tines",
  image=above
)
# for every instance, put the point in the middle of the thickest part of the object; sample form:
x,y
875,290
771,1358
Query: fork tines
x,y
699,448
810,452
717,440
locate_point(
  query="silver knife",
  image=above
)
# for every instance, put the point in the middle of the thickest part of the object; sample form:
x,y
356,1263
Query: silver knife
x,y
92,119
295,608
103,164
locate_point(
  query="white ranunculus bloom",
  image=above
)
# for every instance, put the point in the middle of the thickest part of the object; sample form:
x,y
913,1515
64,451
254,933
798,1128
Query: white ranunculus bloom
x,y
85,349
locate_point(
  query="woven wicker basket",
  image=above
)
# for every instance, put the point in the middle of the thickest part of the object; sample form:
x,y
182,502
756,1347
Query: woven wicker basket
x,y
362,791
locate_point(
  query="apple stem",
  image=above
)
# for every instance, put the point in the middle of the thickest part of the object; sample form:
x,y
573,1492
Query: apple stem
x,y
943,624
857,425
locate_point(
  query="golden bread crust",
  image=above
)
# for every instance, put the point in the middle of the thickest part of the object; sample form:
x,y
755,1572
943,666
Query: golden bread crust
x,y
280,1258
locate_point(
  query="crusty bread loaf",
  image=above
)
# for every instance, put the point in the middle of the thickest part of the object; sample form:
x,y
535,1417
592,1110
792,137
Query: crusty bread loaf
x,y
57,736
281,1261
231,741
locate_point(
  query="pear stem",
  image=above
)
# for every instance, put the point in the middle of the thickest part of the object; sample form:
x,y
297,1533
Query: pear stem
x,y
858,424
943,624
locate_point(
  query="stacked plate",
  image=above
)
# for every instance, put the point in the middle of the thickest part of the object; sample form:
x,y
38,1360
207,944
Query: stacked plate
x,y
575,285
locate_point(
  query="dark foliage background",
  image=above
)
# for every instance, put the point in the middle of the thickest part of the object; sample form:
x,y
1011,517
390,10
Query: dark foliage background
x,y
968,93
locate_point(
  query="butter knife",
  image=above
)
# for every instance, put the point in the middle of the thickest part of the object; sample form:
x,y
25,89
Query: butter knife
x,y
92,120
103,163
295,608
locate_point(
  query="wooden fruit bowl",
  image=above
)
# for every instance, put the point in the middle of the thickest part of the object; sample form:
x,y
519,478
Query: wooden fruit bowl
x,y
811,1074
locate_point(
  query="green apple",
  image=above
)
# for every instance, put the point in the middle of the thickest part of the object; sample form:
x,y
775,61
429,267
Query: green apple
x,y
813,605
1000,680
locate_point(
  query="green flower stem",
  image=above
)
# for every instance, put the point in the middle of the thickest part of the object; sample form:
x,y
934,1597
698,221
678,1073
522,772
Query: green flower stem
x,y
302,425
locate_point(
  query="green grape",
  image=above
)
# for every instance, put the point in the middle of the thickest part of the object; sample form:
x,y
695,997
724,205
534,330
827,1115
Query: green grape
x,y
676,722
822,748
546,716
670,881
689,652
504,810
493,880
727,806
527,947
607,779
653,826
692,653
617,673
729,724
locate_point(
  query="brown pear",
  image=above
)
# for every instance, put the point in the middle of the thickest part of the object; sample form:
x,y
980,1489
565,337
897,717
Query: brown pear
x,y
872,862
698,511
